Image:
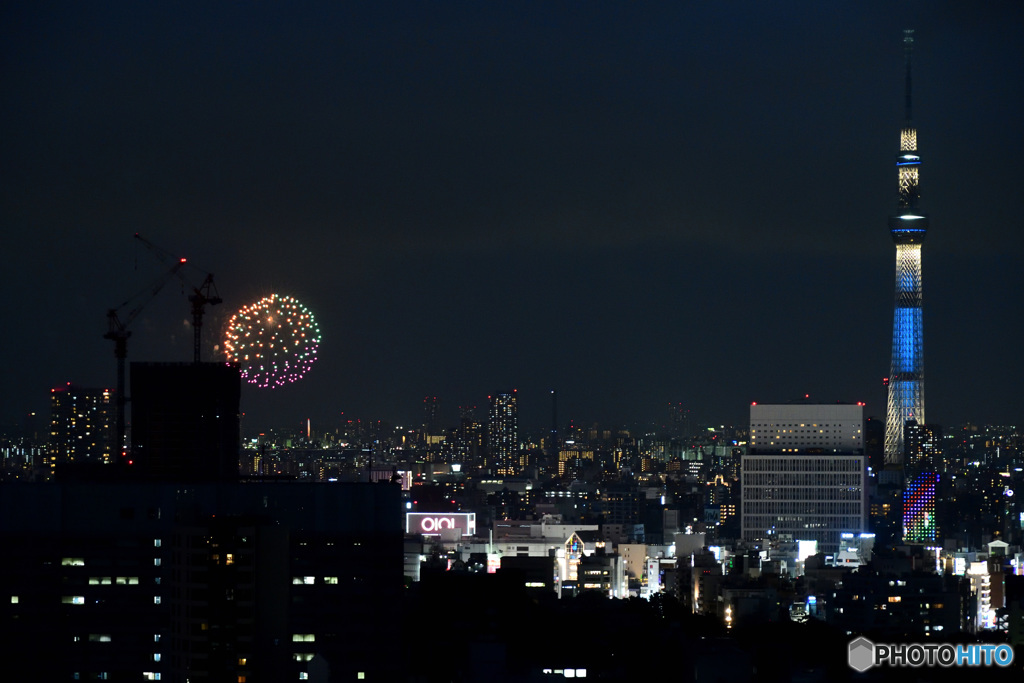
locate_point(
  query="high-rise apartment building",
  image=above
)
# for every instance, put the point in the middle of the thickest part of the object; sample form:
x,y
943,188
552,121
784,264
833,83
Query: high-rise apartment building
x,y
922,445
81,424
805,473
470,438
503,434
129,580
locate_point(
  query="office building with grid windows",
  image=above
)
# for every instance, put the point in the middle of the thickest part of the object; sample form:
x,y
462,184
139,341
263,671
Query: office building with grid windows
x,y
804,475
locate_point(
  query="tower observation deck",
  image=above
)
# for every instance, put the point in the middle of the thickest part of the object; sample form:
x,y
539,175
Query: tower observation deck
x,y
908,228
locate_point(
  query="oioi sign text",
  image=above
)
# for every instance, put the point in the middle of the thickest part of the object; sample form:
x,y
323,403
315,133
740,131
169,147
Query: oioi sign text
x,y
433,523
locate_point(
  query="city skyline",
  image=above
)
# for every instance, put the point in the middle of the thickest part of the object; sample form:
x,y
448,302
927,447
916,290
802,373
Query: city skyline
x,y
635,207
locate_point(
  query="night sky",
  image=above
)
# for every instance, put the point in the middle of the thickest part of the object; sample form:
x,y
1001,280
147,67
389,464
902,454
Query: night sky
x,y
634,203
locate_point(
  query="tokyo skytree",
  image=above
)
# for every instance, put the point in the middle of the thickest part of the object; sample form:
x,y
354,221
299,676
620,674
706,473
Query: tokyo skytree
x,y
908,228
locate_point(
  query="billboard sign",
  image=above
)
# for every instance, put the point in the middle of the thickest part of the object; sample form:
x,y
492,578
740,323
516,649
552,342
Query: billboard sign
x,y
433,523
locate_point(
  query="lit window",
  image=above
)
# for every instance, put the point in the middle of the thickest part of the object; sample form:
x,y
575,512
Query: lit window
x,y
72,562
157,562
229,558
331,579
156,656
156,599
157,542
303,638
303,676
14,599
73,599
242,661
133,581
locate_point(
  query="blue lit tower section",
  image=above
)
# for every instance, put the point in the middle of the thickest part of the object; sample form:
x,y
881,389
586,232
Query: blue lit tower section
x,y
919,509
908,228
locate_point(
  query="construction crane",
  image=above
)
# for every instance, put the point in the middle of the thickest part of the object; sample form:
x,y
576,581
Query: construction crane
x,y
203,294
117,330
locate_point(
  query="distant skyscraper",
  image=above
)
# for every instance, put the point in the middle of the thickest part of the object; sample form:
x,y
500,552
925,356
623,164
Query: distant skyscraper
x,y
680,420
804,476
80,425
922,446
503,434
553,438
431,416
433,434
908,228
470,438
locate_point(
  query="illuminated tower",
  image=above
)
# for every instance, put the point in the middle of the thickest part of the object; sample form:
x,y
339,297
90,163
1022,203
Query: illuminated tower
x,y
908,228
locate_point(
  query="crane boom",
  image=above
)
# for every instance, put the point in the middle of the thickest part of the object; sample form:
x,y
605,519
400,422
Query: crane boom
x,y
202,295
118,332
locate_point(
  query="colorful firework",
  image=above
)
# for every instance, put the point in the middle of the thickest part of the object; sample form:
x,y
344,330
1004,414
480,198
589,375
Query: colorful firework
x,y
275,340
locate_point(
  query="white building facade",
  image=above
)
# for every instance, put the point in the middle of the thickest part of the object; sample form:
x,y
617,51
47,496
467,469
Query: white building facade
x,y
805,474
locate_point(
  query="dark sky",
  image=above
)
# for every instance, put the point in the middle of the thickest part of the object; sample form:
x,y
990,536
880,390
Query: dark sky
x,y
634,203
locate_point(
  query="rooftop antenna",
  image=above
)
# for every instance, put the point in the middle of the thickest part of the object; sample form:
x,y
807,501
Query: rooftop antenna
x,y
908,49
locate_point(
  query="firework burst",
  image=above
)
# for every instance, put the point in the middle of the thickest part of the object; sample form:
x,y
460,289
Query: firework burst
x,y
275,340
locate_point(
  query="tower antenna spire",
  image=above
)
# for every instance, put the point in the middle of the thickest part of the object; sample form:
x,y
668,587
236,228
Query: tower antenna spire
x,y
908,50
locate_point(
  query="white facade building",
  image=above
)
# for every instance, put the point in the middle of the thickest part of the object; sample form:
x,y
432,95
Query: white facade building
x,y
803,427
805,475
